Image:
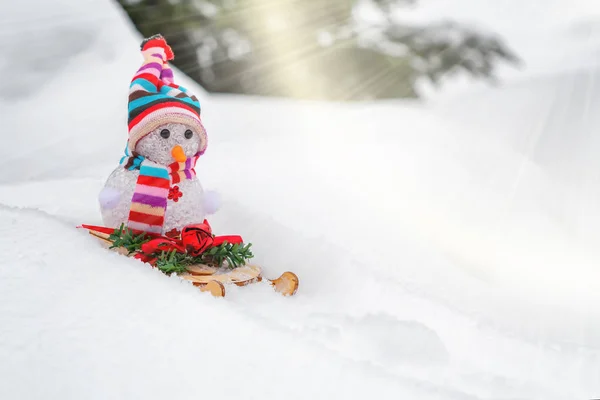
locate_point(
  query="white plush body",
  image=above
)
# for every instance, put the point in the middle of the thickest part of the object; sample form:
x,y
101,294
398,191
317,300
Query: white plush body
x,y
191,208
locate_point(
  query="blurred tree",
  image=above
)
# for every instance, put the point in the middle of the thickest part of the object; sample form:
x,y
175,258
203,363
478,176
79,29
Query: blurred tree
x,y
312,49
175,20
443,48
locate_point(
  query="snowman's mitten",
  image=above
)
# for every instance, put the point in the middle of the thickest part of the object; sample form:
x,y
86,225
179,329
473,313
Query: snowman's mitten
x,y
212,202
109,197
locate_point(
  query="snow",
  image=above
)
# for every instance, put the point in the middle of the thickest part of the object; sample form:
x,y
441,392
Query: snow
x,y
445,251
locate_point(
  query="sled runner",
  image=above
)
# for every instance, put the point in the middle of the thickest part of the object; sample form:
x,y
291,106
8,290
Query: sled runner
x,y
286,284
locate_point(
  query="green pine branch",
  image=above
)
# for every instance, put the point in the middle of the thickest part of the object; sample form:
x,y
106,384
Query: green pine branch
x,y
172,262
125,238
227,254
235,255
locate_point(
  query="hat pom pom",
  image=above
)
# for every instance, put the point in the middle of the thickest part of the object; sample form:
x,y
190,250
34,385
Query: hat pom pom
x,y
158,41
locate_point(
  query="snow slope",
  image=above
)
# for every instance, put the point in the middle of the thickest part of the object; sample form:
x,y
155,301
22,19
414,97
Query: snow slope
x,y
423,275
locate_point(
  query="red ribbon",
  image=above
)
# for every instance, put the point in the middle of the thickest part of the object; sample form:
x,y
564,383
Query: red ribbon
x,y
195,240
162,244
233,239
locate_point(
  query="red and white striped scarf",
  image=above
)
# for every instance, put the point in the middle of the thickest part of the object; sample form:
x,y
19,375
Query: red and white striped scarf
x,y
149,201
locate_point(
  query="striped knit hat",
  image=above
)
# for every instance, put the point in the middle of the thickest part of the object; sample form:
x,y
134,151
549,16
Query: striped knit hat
x,y
154,99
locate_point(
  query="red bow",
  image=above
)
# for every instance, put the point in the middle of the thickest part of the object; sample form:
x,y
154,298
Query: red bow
x,y
195,240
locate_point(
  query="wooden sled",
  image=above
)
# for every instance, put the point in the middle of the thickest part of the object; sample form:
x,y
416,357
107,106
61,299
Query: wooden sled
x,y
213,280
202,275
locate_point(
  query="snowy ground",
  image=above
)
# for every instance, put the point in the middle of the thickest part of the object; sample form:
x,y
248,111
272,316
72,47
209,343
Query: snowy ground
x,y
444,251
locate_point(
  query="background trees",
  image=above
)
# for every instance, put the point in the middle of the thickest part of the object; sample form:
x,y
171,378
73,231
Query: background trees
x,y
313,49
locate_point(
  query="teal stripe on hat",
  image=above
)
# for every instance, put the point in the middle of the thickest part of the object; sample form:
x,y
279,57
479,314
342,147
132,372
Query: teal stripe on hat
x,y
155,172
142,101
145,83
189,101
165,89
146,100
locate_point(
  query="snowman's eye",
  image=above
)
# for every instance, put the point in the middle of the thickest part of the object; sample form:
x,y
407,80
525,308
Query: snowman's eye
x,y
165,133
188,134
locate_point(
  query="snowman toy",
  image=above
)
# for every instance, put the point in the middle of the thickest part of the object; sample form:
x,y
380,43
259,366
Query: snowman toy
x,y
155,189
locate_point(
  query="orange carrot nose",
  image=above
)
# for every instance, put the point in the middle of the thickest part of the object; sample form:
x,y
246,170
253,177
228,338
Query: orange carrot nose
x,y
178,154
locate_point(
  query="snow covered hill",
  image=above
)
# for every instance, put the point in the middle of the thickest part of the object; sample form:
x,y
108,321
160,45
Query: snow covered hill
x,y
428,270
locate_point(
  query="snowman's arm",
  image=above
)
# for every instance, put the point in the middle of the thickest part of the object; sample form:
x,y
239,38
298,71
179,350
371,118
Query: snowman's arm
x,y
109,197
212,202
